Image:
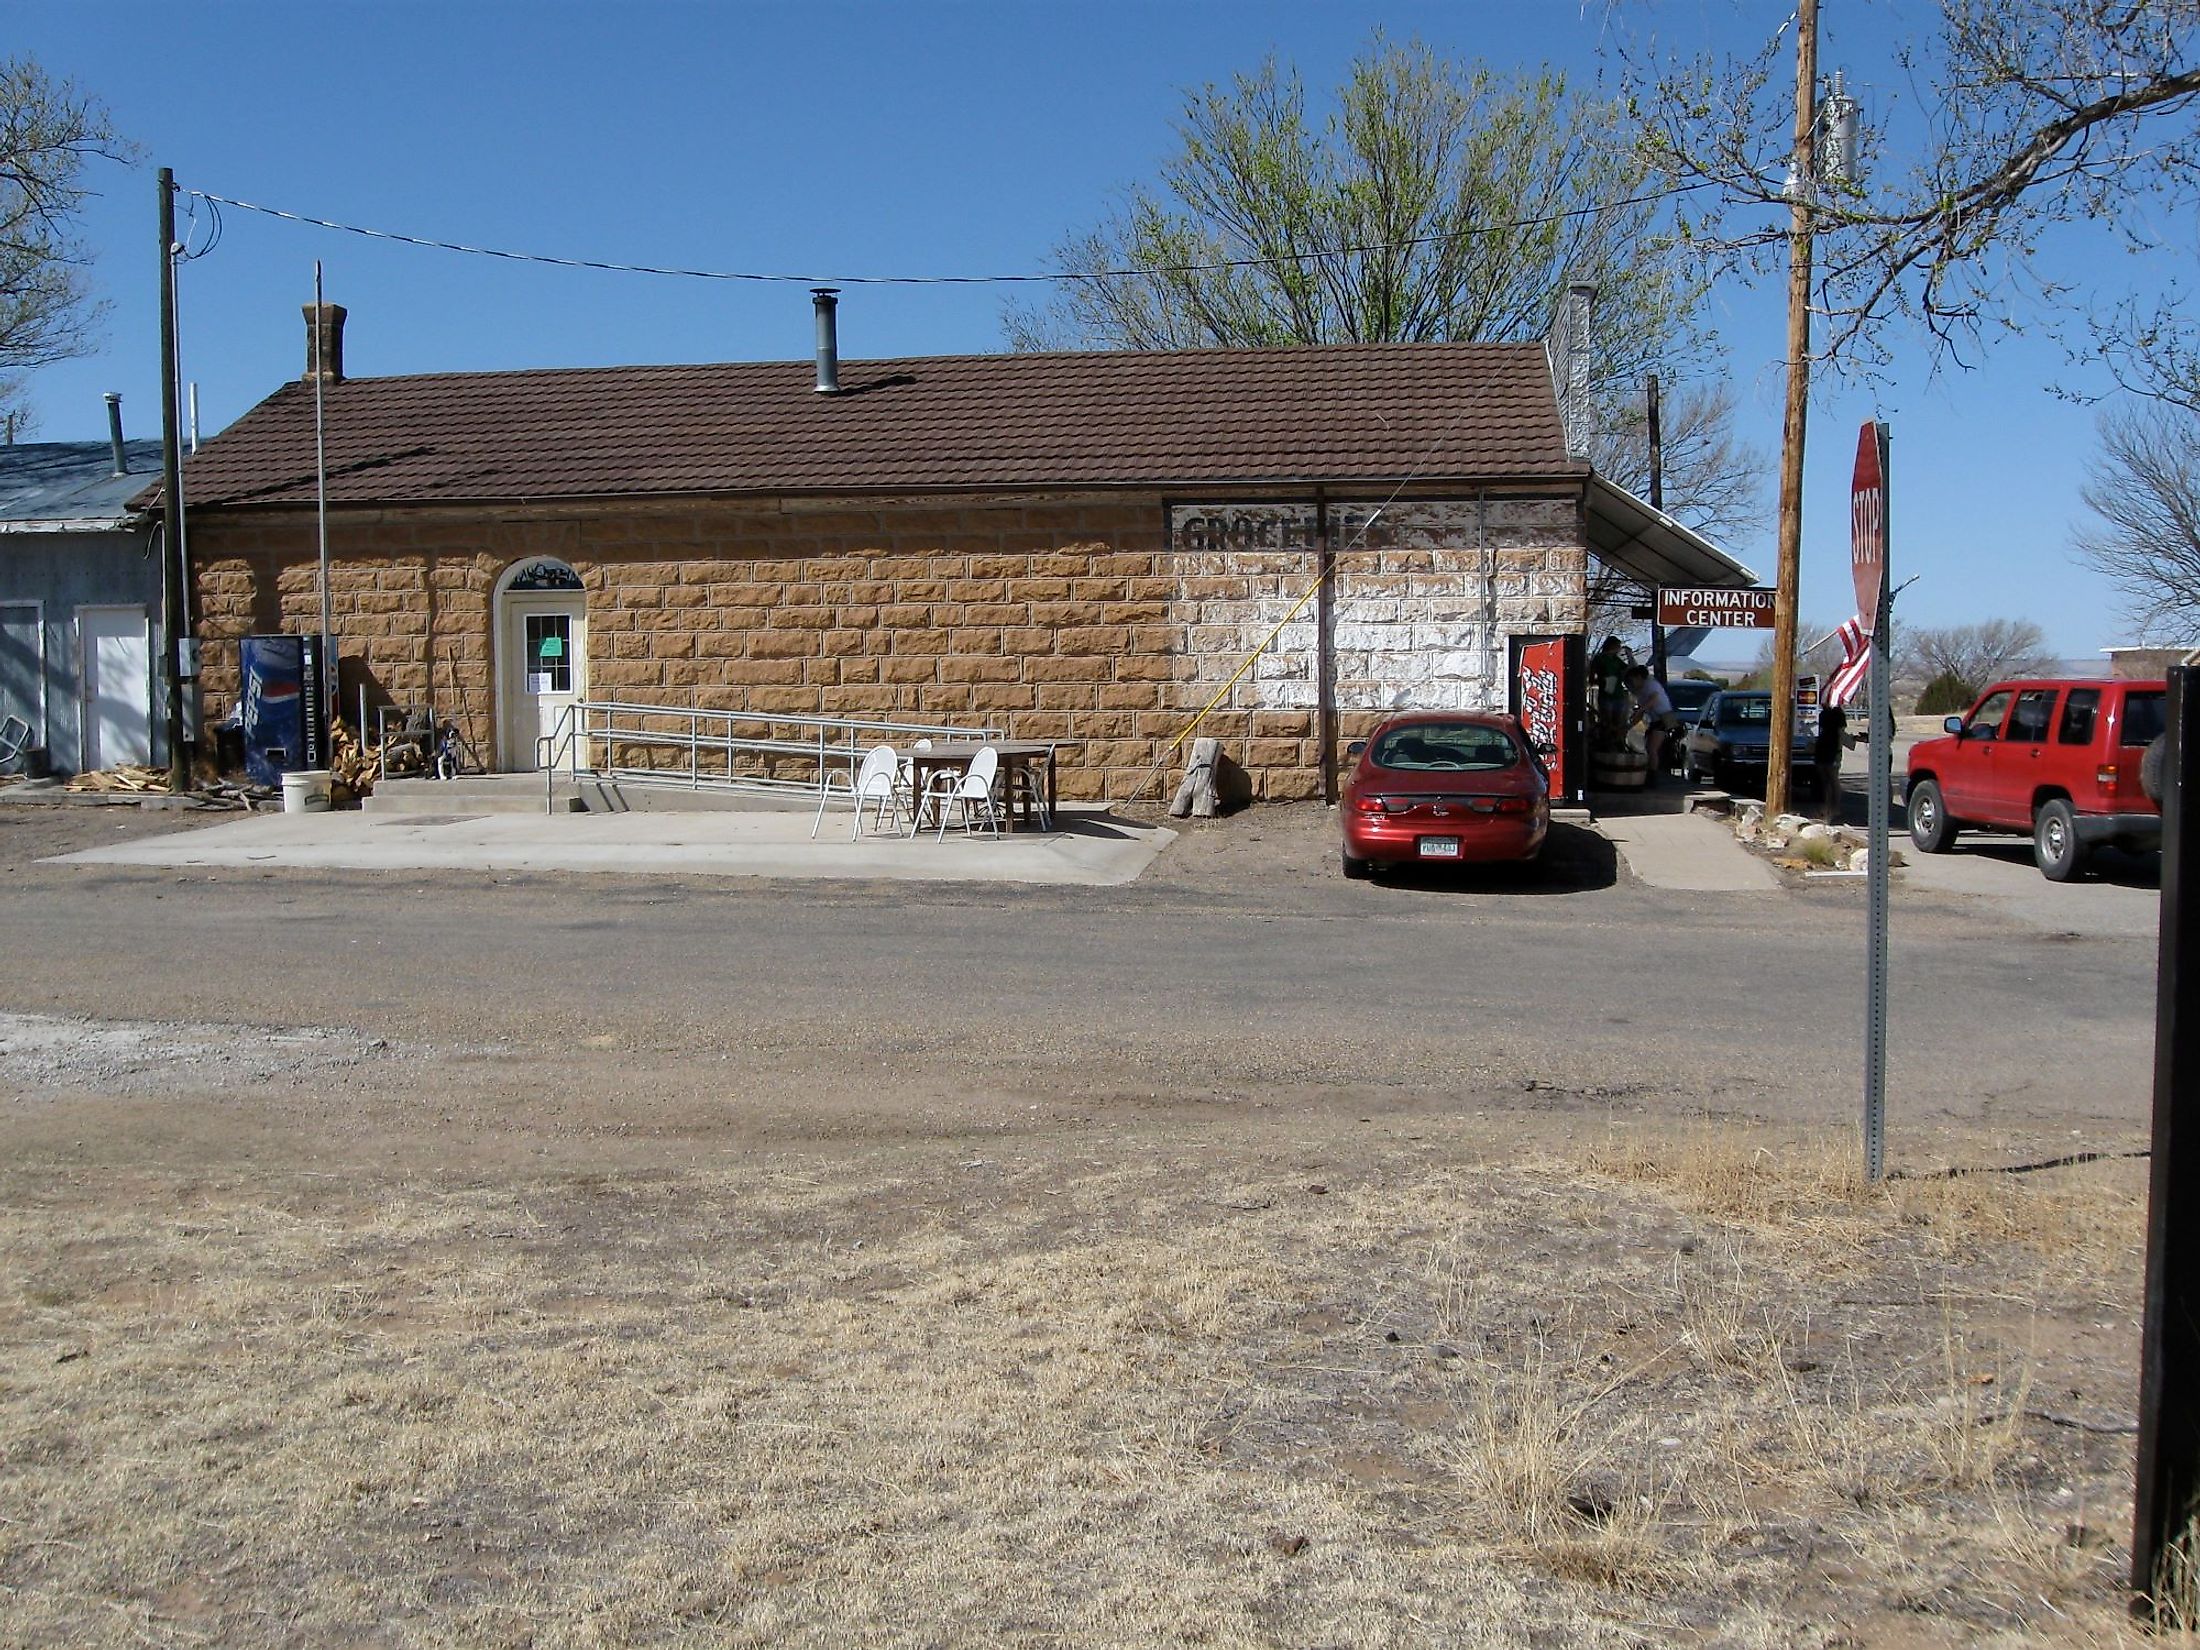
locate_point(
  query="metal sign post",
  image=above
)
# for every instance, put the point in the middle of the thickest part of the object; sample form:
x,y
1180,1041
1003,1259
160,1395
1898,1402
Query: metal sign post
x,y
1868,561
2166,1500
320,496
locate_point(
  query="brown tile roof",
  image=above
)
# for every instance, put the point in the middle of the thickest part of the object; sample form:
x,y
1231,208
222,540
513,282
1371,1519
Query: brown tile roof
x,y
1349,412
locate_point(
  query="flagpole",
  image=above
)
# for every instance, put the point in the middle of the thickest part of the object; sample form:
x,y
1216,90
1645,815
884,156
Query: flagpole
x,y
1810,647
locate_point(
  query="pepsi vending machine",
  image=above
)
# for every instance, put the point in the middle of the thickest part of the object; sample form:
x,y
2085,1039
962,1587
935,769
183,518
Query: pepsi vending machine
x,y
283,708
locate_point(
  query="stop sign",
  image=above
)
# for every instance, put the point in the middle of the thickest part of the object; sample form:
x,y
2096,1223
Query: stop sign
x,y
1868,522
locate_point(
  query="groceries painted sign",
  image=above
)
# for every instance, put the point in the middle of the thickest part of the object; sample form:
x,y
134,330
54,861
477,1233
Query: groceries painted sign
x,y
1715,609
1243,527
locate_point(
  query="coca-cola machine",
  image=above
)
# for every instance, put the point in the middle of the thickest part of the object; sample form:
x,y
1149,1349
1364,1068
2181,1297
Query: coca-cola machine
x,y
1546,686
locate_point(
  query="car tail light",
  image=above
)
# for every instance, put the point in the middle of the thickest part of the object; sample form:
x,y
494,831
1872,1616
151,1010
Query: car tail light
x,y
1369,804
2107,776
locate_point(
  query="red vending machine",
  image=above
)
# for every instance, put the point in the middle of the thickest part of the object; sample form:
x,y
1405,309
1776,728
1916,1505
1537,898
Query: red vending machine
x,y
1546,687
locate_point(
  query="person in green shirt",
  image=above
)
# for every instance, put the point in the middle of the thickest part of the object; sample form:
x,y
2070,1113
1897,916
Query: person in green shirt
x,y
1608,668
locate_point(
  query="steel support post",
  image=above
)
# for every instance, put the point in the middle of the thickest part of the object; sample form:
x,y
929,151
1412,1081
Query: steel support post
x,y
2164,1563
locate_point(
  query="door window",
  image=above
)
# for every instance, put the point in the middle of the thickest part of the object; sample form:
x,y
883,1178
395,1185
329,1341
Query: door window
x,y
549,653
2080,711
1985,722
2035,712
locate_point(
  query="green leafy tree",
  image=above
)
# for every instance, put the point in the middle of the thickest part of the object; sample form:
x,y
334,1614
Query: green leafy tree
x,y
1439,201
48,130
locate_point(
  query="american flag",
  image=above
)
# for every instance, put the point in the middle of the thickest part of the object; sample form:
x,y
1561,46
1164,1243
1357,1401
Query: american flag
x,y
1856,664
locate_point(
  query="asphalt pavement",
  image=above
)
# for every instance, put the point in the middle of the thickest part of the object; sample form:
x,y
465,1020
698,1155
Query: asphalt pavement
x,y
1240,969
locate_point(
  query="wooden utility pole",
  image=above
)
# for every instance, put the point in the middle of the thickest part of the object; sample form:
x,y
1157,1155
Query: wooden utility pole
x,y
171,493
1778,765
1654,416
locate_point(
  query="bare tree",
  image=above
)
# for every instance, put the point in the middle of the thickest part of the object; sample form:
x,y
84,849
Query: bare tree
x,y
1817,649
2033,113
48,129
2144,488
1975,654
1712,481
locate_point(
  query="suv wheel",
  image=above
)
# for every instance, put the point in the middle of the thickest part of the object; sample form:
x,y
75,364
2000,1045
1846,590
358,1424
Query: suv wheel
x,y
2055,841
1931,830
2150,767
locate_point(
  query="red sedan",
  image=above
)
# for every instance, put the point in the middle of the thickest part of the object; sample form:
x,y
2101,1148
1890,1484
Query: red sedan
x,y
1444,787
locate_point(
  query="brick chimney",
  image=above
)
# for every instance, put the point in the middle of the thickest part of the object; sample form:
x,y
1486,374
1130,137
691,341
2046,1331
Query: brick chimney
x,y
324,343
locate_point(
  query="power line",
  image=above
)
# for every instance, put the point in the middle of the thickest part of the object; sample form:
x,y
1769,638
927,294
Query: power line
x,y
1543,221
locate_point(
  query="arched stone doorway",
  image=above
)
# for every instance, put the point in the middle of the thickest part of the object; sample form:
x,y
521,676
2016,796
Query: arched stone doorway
x,y
541,655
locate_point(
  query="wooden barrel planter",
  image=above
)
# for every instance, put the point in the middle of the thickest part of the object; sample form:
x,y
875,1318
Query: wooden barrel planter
x,y
1621,770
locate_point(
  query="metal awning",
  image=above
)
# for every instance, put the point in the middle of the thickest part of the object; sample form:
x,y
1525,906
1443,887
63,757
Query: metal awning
x,y
1649,545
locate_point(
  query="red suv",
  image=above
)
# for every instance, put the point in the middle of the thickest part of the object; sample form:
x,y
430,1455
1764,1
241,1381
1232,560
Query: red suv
x,y
2061,760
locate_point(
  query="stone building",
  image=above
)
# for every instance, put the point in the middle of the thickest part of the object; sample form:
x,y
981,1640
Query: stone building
x,y
1085,547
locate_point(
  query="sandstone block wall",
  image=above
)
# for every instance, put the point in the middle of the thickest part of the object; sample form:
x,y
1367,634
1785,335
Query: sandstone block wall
x,y
1073,621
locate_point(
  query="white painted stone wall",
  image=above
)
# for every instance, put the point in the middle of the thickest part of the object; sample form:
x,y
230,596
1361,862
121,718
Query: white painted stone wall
x,y
1426,595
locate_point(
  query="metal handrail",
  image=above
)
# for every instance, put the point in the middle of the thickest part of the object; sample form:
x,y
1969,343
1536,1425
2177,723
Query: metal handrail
x,y
593,727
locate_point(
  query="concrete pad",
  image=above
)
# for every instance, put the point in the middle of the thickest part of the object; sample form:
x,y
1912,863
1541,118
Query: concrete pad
x,y
1686,850
1089,847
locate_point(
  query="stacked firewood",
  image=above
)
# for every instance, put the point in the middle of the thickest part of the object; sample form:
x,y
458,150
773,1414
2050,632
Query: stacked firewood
x,y
351,766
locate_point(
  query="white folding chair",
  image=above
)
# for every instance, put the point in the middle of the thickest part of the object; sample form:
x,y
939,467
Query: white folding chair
x,y
1028,778
971,791
15,737
906,778
877,780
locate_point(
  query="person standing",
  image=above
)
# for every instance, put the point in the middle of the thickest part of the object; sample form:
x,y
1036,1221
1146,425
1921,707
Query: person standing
x,y
1655,706
1825,760
1608,671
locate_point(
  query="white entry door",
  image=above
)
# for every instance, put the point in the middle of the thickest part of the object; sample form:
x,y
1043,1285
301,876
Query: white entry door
x,y
116,653
545,670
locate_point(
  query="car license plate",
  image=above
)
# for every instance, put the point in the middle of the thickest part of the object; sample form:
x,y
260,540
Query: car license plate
x,y
1439,847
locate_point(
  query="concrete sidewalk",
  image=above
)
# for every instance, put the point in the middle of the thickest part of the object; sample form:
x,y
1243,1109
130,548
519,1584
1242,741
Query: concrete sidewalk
x,y
1089,847
1666,846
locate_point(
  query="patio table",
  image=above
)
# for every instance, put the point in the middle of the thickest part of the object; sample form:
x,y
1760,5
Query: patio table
x,y
1033,758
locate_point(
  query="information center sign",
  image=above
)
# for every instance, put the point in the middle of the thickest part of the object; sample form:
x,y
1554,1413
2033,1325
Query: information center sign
x,y
1715,609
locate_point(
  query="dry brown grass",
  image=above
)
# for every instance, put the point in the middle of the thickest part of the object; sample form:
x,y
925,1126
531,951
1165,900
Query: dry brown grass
x,y
1717,1394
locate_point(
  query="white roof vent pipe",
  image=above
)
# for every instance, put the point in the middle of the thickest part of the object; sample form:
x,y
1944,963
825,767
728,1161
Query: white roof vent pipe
x,y
827,300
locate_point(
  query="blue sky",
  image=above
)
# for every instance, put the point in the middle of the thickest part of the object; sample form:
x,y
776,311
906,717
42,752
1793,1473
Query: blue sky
x,y
845,138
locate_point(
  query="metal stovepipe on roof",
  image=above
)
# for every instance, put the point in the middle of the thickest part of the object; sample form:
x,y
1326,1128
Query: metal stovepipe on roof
x,y
825,300
320,494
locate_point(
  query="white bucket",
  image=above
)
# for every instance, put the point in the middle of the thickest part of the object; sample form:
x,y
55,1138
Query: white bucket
x,y
306,791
